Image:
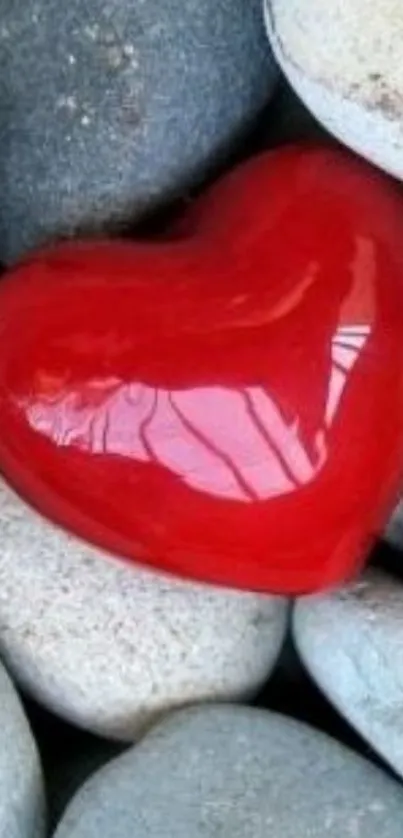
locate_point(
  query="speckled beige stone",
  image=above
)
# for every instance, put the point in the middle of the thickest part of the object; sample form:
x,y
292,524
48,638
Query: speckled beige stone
x,y
351,641
109,645
345,60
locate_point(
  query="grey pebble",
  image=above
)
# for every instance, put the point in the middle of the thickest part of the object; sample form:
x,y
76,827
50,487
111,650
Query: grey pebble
x,y
110,107
22,806
236,773
351,641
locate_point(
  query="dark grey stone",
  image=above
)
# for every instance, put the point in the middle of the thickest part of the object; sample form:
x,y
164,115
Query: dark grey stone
x,y
111,107
236,773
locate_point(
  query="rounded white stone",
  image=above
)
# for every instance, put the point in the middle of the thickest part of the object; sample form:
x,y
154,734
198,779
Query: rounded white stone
x,y
351,641
109,645
21,789
345,60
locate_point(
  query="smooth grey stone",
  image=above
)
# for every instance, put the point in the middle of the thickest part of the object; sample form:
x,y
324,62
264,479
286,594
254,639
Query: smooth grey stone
x,y
236,773
110,107
22,807
351,641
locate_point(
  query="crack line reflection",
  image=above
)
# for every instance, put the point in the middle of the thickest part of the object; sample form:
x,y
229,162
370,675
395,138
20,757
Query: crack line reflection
x,y
232,443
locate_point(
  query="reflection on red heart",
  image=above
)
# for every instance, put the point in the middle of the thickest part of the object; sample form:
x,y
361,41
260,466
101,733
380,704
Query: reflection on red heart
x,y
226,405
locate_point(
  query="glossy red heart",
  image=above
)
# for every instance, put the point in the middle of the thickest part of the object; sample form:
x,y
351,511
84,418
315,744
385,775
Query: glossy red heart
x,y
226,405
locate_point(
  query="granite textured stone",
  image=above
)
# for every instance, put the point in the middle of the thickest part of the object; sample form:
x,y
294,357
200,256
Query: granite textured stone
x,y
108,645
344,60
235,773
351,641
22,807
110,108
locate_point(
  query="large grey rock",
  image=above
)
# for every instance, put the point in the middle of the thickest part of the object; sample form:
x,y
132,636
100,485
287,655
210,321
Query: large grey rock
x,y
21,791
110,646
236,773
351,641
345,61
109,107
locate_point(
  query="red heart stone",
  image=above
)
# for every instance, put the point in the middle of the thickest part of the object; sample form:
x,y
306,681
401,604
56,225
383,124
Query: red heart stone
x,y
226,405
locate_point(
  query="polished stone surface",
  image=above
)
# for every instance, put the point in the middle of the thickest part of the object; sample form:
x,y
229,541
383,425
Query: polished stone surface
x,y
214,404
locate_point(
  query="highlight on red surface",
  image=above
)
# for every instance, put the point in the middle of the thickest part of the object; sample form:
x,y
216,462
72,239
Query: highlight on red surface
x,y
228,405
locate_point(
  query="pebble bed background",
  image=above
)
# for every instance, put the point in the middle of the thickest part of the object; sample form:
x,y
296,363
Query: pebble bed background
x,y
337,670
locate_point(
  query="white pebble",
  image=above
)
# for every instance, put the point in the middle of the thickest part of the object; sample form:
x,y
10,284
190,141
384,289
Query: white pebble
x,y
109,645
345,60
